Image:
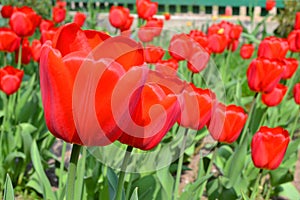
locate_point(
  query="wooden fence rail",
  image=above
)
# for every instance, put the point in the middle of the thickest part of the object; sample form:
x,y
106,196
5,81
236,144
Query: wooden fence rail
x,y
186,6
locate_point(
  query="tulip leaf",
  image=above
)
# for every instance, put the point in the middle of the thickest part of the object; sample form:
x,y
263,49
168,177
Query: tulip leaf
x,y
134,195
113,184
280,175
237,162
166,182
288,191
80,176
37,164
8,189
148,187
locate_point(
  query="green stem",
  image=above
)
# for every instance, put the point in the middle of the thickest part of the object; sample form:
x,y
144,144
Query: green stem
x,y
253,105
268,192
20,55
225,66
5,59
128,187
256,185
295,125
72,172
5,117
180,163
62,165
209,168
123,172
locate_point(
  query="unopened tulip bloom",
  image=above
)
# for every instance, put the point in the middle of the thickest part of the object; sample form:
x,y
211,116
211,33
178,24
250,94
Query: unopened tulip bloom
x,y
146,9
268,147
246,51
153,54
79,18
297,21
7,11
9,41
270,4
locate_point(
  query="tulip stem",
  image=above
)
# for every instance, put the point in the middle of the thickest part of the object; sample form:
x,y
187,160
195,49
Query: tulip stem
x,y
180,163
215,151
72,171
256,185
123,172
62,164
253,105
295,125
20,55
5,59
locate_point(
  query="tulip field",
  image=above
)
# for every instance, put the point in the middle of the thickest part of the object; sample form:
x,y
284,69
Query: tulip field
x,y
144,111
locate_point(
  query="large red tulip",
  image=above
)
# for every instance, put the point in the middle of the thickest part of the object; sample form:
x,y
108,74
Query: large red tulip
x,y
196,106
62,86
263,75
10,79
24,21
9,41
296,92
227,123
275,96
273,48
268,147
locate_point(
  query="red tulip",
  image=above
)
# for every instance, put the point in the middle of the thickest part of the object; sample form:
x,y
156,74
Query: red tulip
x,y
67,73
235,32
291,65
296,92
47,35
153,54
217,43
199,37
246,51
268,147
146,9
275,96
36,47
228,11
24,21
151,29
9,41
10,79
167,16
196,107
156,122
263,75
79,18
58,14
7,11
46,25
226,123
270,4
26,53
233,45
273,48
118,16
294,40
297,21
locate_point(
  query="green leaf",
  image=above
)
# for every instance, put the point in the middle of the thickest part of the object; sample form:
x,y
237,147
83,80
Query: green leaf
x,y
147,187
80,175
245,197
37,164
112,182
281,175
166,182
134,195
289,191
8,189
237,163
